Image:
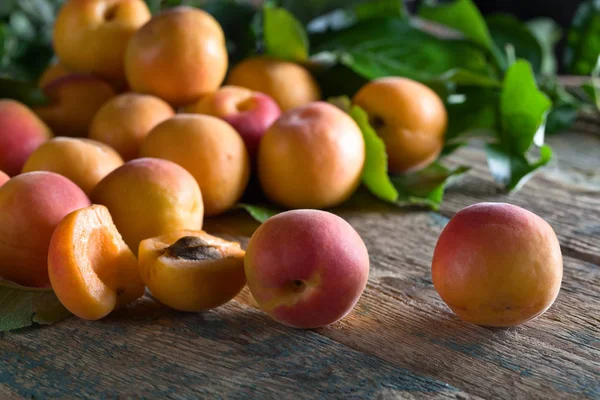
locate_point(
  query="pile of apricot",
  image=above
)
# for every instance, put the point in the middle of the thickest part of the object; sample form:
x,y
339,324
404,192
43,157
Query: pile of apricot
x,y
142,123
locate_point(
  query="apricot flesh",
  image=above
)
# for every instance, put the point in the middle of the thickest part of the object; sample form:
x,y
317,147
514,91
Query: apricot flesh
x,y
306,268
31,205
84,161
179,55
311,157
409,117
497,264
91,269
192,270
124,121
211,150
289,84
148,197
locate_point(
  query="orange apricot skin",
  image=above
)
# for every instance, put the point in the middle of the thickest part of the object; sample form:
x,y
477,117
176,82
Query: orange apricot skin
x,y
289,84
51,73
409,117
3,178
92,282
497,265
191,285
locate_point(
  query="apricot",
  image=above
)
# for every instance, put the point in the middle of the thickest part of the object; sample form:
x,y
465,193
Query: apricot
x,y
84,161
409,117
289,84
124,121
3,178
191,270
250,113
306,268
311,157
211,150
31,205
21,132
91,36
497,264
51,73
74,100
178,56
149,197
91,269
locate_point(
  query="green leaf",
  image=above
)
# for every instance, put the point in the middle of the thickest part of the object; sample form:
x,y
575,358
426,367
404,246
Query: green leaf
x,y
460,15
513,170
22,91
506,31
583,44
22,306
283,35
393,47
425,188
308,10
261,213
375,171
523,108
548,33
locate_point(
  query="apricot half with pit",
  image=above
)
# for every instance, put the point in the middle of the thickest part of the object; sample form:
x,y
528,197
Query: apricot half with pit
x,y
192,270
92,271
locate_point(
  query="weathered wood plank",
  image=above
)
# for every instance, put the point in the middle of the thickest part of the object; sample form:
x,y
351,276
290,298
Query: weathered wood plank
x,y
233,352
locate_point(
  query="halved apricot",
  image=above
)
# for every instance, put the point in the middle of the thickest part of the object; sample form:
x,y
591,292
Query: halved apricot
x,y
192,270
92,271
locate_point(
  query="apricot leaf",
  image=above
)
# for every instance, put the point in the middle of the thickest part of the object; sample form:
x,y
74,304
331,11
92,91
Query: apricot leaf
x,y
260,213
283,35
425,188
22,306
22,91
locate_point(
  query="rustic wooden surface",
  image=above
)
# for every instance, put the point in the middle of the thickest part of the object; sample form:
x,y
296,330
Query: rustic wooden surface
x,y
401,341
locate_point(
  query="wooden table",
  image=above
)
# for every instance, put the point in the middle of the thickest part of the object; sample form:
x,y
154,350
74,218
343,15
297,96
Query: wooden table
x,y
400,341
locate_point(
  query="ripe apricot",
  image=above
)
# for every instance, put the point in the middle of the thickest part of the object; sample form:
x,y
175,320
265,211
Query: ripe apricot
x,y
306,268
210,149
409,117
191,270
31,205
289,84
178,56
51,73
124,121
497,264
74,100
84,161
250,113
148,197
21,132
311,157
91,36
91,269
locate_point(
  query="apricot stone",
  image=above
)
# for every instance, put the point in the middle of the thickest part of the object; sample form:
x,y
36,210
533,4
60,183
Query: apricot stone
x,y
192,270
91,36
149,197
74,100
306,268
178,56
211,150
311,157
21,132
289,84
91,269
409,117
124,121
84,161
497,264
31,205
